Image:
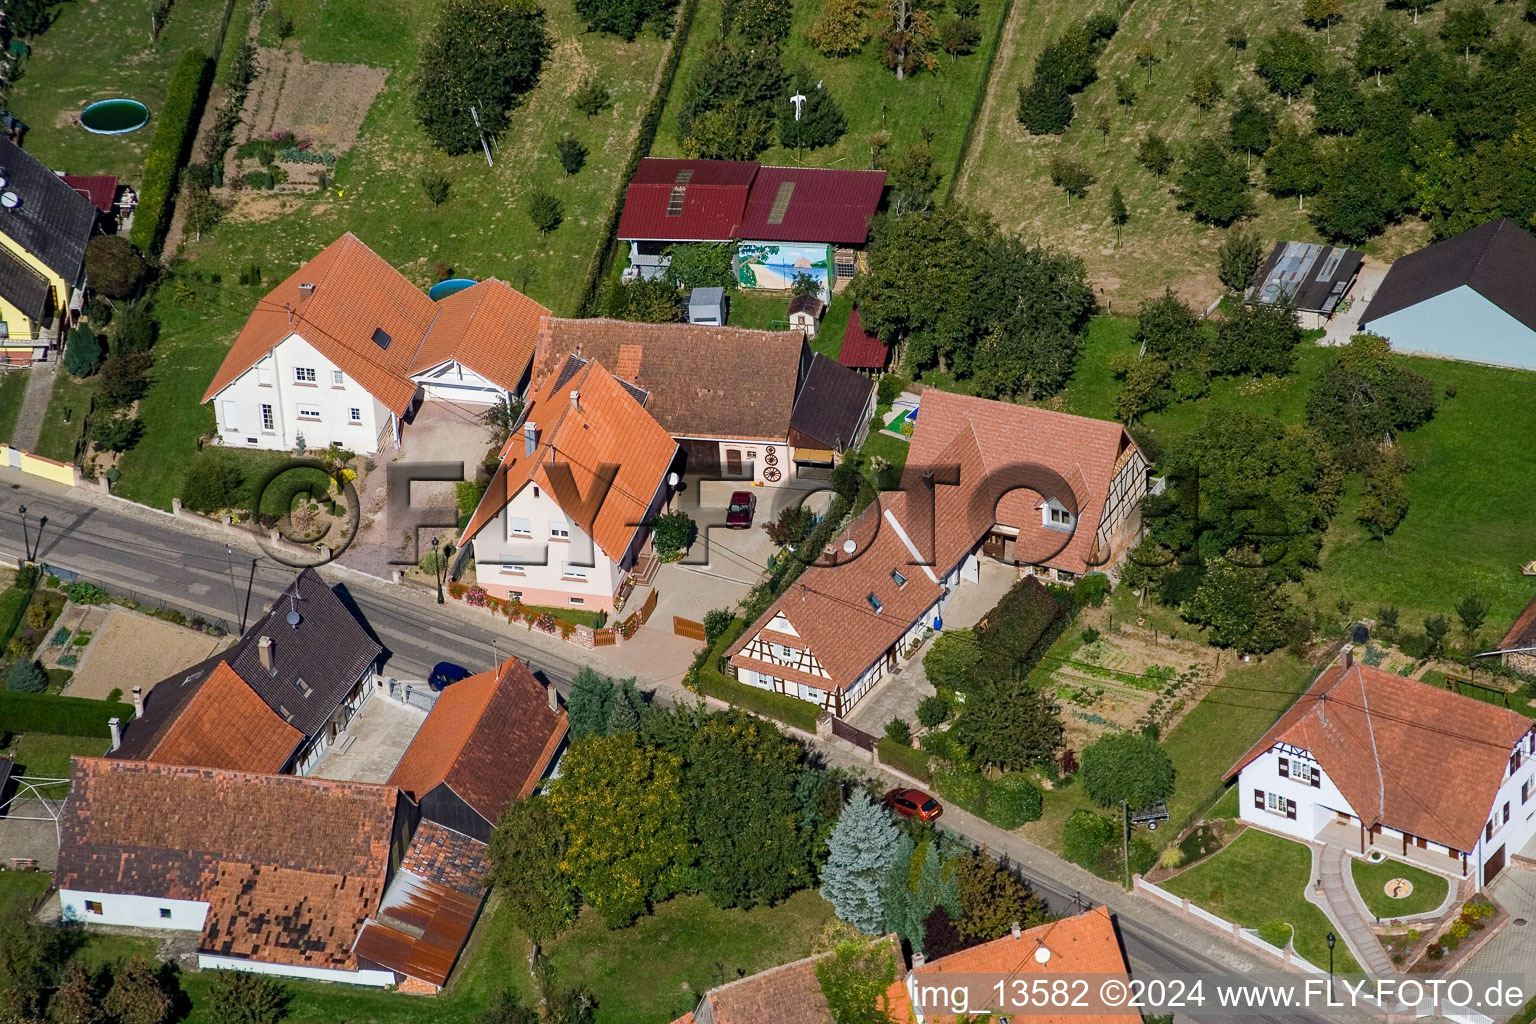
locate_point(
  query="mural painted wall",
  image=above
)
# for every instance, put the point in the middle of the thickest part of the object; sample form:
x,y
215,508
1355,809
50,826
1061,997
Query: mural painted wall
x,y
775,265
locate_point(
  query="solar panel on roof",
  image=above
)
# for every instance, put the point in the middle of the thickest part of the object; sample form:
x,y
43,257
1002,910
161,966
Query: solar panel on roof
x,y
675,202
781,202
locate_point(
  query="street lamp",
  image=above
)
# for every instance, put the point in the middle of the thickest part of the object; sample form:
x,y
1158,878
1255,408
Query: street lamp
x,y
1331,941
437,563
26,538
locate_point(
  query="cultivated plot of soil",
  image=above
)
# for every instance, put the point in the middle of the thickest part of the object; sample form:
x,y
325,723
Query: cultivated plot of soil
x,y
136,650
323,102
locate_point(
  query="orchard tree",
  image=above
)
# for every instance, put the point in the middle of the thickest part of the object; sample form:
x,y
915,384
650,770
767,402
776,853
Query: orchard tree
x,y
1154,154
1384,501
1205,89
1045,107
526,854
1380,46
1118,213
1322,14
1286,60
240,997
571,152
1292,165
1257,338
26,952
480,54
545,211
820,121
77,1000
1472,610
1356,199
1365,395
1126,768
910,36
859,853
701,265
1241,608
1212,186
1338,108
626,831
759,21
841,28
625,18
735,130
1250,126
592,97
1466,27
138,994
1238,259
1168,329
1071,176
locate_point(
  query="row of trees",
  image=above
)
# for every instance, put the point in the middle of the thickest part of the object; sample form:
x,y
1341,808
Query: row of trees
x,y
735,102
478,61
1067,65
968,299
911,32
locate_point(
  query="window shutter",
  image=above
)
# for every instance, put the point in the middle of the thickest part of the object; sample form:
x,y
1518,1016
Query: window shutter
x,y
1290,809
1317,777
1285,767
1258,799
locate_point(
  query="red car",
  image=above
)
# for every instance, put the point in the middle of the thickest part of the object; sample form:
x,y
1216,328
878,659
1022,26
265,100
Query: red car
x,y
913,803
738,515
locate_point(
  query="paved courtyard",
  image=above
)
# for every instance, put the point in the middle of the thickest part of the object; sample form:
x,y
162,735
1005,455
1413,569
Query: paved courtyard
x,y
373,744
1511,954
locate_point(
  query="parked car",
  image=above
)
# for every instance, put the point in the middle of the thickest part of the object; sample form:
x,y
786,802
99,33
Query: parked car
x,y
738,515
913,803
445,674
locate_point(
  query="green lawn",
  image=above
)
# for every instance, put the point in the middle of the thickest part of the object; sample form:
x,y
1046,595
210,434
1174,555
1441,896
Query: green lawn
x,y
12,384
1162,245
865,90
887,447
1261,878
68,405
769,311
1429,889
46,756
99,50
22,885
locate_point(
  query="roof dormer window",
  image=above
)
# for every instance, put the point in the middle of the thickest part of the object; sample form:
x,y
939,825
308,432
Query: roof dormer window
x,y
1055,515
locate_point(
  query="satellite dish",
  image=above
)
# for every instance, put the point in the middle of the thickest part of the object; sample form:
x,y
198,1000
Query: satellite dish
x,y
850,546
9,200
3,179
1042,955
294,618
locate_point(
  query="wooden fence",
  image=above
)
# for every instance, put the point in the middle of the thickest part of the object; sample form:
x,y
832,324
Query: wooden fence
x,y
687,627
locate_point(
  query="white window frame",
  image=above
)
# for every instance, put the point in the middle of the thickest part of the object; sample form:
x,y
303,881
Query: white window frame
x,y
1055,517
788,653
304,375
300,408
1274,803
560,530
354,415
573,572
513,569
268,419
338,379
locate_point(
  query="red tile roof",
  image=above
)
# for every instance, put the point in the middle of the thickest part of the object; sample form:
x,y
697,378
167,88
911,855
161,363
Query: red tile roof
x,y
227,725
704,381
1405,754
723,200
714,198
787,994
1522,632
608,428
861,350
357,293
290,867
1082,945
489,327
812,204
489,739
100,189
1000,445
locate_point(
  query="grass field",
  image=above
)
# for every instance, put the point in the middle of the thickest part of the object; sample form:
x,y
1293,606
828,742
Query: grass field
x,y
1162,245
12,384
483,229
46,756
1429,889
96,51
22,885
1261,878
865,89
65,416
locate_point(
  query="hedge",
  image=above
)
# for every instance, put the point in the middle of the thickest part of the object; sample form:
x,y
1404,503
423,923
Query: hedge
x,y
167,150
1014,629
13,605
903,758
60,716
1007,802
792,711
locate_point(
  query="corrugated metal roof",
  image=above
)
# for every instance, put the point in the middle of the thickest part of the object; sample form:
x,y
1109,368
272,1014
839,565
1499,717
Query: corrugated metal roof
x,y
1312,277
686,200
862,350
812,204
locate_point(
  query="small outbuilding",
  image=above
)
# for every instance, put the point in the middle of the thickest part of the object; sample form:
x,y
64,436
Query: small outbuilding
x,y
1313,278
805,312
708,306
861,350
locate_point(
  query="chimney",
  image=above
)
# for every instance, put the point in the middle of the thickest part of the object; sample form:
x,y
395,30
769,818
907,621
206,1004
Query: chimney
x,y
918,961
264,652
554,697
116,726
1015,929
1349,658
307,288
575,399
138,702
530,438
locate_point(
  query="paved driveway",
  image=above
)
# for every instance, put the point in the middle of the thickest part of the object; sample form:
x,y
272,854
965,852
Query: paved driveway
x,y
1344,325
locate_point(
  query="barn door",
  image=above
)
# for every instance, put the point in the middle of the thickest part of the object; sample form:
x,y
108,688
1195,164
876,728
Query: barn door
x,y
733,462
1493,865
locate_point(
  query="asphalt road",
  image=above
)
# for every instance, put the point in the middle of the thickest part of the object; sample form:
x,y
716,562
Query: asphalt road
x,y
156,558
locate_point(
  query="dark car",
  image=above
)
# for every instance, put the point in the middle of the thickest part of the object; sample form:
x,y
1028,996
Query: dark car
x,y
913,803
738,515
446,673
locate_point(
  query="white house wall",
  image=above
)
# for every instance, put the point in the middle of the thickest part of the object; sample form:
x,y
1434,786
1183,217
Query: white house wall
x,y
271,382
543,579
377,979
1521,828
133,911
458,383
1315,807
1459,324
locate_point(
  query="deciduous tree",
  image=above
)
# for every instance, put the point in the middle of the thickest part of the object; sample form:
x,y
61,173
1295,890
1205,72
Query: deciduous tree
x,y
1045,107
1238,259
138,994
1338,108
240,997
1241,607
1010,725
527,853
1212,186
1257,338
1384,501
114,267
1380,46
1250,125
993,899
841,28
1286,60
481,54
1118,212
1292,166
701,265
1466,27
625,18
1126,767
1153,154
854,981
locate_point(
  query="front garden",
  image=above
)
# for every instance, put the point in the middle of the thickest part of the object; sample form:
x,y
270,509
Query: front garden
x,y
1259,881
1393,889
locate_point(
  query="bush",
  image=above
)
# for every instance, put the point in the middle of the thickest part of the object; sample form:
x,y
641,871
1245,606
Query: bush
x,y
259,180
1084,835
965,789
932,711
26,676
1012,801
951,659
591,98
1014,630
546,212
672,533
82,352
716,622
897,729
239,997
1090,591
167,149
60,716
436,186
213,484
903,758
1276,933
86,593
113,266
889,388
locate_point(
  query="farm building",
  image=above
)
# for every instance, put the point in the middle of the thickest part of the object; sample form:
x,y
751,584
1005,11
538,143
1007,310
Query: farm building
x,y
1312,278
784,221
1468,297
